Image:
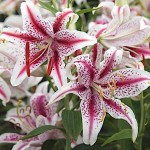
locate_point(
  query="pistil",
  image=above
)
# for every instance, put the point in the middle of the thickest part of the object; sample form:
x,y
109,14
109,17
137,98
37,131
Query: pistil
x,y
27,51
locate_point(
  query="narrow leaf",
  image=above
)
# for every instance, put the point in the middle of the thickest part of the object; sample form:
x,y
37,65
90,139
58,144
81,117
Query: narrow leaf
x,y
83,11
39,131
72,122
48,7
124,134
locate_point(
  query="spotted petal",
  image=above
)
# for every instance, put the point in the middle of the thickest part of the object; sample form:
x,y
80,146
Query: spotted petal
x,y
58,70
134,38
70,87
38,103
62,18
93,114
129,82
9,138
85,69
17,36
119,110
36,59
33,22
68,41
112,58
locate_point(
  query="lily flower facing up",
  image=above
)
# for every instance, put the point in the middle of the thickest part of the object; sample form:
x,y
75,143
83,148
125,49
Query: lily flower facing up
x,y
44,40
99,87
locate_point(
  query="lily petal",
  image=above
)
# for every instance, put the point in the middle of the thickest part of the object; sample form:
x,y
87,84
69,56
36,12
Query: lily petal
x,y
9,138
129,82
70,87
62,19
38,103
93,114
19,72
33,22
85,69
58,71
112,58
17,36
119,110
139,52
68,41
5,92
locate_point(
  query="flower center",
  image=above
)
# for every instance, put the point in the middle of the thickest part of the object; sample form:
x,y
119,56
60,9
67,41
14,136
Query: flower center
x,y
112,85
45,46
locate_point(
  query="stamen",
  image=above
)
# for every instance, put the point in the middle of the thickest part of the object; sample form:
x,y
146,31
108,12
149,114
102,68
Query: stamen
x,y
144,60
121,75
103,116
112,88
22,110
28,108
27,58
19,103
50,66
101,92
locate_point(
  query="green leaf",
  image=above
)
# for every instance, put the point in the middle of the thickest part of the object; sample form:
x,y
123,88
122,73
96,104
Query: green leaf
x,y
48,7
39,131
83,11
72,122
96,146
47,144
124,134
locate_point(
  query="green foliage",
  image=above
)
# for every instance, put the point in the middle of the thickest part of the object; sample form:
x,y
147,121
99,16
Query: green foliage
x,y
123,134
39,131
72,122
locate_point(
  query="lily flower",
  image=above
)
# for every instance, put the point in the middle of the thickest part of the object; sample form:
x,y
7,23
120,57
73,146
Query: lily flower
x,y
31,117
123,29
99,88
42,41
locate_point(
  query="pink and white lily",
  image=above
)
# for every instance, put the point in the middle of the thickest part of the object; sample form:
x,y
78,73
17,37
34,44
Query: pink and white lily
x,y
123,30
99,88
42,41
31,117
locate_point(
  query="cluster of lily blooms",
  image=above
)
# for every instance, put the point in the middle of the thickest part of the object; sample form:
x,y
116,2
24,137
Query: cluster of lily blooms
x,y
101,67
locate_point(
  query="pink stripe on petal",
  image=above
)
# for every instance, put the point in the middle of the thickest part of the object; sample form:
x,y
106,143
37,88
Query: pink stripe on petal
x,y
71,87
19,72
118,110
93,114
39,102
58,71
61,20
33,22
9,138
112,58
129,82
68,41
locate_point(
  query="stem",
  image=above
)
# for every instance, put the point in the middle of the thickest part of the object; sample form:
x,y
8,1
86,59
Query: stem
x,y
51,84
66,102
142,123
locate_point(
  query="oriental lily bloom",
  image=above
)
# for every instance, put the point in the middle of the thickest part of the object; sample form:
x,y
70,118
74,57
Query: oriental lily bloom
x,y
43,40
29,118
99,88
122,30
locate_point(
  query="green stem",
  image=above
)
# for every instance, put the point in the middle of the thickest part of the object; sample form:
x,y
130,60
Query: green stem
x,y
142,123
51,84
66,102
